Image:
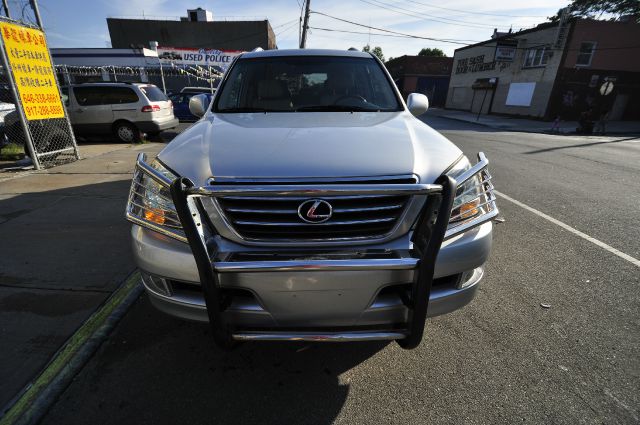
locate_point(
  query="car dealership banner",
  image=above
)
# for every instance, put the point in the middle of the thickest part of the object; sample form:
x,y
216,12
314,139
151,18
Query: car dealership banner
x,y
201,57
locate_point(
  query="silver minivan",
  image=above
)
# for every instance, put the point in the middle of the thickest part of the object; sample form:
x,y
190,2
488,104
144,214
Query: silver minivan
x,y
124,110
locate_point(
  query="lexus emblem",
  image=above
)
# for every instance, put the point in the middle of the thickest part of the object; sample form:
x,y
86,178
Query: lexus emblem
x,y
315,211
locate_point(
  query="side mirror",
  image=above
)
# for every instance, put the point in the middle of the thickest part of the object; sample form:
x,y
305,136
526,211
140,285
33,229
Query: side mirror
x,y
198,104
417,104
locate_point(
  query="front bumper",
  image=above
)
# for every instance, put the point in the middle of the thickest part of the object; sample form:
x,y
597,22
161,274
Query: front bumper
x,y
189,304
314,298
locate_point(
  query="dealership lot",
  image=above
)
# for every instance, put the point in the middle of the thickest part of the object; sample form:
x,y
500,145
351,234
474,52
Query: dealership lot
x,y
551,336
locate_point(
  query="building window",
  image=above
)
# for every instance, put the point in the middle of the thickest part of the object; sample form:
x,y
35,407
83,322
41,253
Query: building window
x,y
585,54
535,57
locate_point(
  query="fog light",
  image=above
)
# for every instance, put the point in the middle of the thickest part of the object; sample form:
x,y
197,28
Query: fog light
x,y
156,284
470,278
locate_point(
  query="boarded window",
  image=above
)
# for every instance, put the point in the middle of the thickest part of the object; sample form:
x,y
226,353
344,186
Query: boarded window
x,y
520,94
459,95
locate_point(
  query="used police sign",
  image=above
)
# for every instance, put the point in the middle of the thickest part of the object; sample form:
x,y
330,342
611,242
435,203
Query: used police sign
x,y
33,73
202,57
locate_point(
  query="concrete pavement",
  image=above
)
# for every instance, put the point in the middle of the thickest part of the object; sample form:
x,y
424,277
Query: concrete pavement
x,y
64,251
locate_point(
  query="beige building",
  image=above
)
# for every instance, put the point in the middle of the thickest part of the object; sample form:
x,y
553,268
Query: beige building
x,y
513,74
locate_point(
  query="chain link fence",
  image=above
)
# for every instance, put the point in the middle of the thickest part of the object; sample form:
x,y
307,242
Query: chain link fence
x,y
35,122
171,78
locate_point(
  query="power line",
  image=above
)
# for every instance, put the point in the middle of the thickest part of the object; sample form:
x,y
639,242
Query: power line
x,y
452,41
475,13
290,27
389,31
408,12
464,42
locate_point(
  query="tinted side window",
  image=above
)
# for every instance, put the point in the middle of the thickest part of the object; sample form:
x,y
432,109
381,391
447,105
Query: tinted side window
x,y
88,96
178,98
153,93
65,95
118,95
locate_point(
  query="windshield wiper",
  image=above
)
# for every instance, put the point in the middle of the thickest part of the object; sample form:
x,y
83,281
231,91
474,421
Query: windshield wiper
x,y
338,108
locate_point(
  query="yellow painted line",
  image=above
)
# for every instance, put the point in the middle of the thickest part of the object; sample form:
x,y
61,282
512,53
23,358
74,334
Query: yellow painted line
x,y
73,344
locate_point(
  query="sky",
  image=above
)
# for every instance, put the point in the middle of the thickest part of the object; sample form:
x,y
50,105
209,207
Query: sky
x,y
78,23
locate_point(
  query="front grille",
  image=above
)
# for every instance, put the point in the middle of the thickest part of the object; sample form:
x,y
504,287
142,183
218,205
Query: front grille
x,y
353,217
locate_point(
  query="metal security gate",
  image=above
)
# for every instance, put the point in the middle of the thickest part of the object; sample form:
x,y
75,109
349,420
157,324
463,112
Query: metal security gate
x,y
39,121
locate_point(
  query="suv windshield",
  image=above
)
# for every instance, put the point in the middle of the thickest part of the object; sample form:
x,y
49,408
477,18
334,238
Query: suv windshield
x,y
305,84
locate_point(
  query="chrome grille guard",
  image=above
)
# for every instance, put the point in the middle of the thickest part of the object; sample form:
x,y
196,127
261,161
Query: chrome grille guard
x,y
427,238
484,188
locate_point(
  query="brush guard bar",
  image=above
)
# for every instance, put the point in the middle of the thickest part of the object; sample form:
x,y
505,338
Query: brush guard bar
x,y
427,238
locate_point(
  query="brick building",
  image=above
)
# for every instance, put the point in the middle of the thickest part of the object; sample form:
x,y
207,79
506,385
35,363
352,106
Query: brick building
x,y
556,68
422,74
197,30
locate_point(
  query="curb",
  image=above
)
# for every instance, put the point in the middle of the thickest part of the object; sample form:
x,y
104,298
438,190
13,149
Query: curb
x,y
38,396
495,127
534,131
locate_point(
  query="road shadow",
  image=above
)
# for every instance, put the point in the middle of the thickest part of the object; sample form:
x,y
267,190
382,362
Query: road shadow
x,y
63,251
582,145
166,136
159,370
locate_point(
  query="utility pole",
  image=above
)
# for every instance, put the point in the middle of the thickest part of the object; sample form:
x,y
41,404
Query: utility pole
x,y
305,25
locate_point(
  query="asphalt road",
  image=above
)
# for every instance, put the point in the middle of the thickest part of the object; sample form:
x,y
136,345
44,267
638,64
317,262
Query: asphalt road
x,y
502,359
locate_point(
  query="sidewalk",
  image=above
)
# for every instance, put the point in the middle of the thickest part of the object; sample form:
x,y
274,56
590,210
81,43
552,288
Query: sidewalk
x,y
65,249
530,126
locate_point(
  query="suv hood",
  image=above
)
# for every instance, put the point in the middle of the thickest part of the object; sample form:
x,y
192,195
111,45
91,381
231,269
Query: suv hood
x,y
308,145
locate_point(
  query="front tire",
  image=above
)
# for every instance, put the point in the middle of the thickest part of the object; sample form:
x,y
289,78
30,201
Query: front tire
x,y
126,132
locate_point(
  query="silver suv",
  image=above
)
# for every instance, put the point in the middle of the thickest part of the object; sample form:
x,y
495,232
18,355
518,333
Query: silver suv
x,y
124,110
308,203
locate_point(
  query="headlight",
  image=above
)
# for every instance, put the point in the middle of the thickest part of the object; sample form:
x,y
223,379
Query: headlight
x,y
474,202
150,204
465,204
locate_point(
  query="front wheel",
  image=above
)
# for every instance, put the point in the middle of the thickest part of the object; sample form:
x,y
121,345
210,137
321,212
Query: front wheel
x,y
126,132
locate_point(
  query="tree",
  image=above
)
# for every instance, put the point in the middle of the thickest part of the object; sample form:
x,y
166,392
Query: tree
x,y
376,51
594,9
427,51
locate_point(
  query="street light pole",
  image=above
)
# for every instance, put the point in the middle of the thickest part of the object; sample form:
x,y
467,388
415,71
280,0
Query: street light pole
x,y
154,46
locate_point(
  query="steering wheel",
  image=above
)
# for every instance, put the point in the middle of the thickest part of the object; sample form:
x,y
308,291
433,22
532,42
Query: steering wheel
x,y
350,96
